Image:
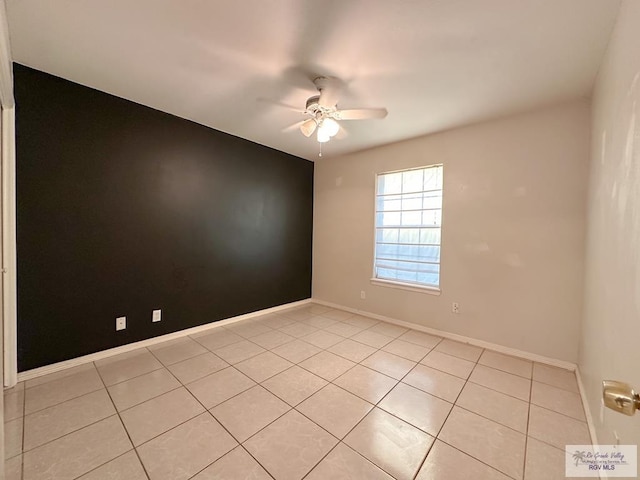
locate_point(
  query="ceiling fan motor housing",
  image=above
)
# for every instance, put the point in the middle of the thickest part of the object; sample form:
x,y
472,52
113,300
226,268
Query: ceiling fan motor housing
x,y
312,103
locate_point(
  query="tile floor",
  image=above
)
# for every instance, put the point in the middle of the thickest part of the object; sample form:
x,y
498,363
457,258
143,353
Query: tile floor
x,y
312,393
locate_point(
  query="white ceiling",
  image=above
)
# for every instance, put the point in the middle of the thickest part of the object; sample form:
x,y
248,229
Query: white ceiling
x,y
435,64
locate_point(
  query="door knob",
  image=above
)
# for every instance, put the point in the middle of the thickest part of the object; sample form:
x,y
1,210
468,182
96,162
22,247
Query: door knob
x,y
620,397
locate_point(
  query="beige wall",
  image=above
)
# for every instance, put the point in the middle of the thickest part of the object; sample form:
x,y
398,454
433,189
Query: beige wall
x,y
610,340
513,230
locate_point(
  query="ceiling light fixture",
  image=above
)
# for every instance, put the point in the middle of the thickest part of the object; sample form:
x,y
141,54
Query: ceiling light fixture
x,y
329,126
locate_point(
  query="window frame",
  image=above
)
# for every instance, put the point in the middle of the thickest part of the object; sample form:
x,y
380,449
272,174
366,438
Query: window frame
x,y
398,284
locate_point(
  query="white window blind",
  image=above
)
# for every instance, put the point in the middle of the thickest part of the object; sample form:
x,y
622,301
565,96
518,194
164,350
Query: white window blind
x,y
408,226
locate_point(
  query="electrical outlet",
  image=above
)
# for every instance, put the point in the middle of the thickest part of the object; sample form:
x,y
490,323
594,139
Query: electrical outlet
x,y
121,323
156,316
363,294
455,307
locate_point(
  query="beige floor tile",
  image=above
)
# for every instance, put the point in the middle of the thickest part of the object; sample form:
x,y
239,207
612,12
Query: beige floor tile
x,y
558,400
296,351
389,364
160,414
298,329
343,463
447,463
448,363
354,351
317,308
248,328
238,352
13,438
194,368
297,314
393,445
61,390
186,450
320,321
54,422
389,329
125,467
361,321
272,339
291,446
407,350
294,385
416,407
127,366
513,385
322,339
496,406
337,314
277,321
140,389
13,405
18,386
556,377
178,351
218,338
263,366
420,338
366,383
220,386
488,441
373,339
460,350
58,375
557,429
335,410
13,468
435,382
249,412
545,462
327,365
506,363
79,452
237,464
343,329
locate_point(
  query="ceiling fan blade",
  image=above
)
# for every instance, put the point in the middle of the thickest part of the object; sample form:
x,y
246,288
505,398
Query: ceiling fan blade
x,y
295,126
280,104
308,127
342,133
360,113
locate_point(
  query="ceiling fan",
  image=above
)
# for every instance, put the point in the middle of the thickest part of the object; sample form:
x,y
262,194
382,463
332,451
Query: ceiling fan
x,y
324,114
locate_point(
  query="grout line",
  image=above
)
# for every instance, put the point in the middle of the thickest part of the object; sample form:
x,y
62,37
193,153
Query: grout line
x,y
478,460
221,425
144,469
526,437
24,411
113,459
437,437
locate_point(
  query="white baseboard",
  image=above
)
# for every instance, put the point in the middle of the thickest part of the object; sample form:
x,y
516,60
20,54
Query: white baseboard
x,y
587,410
460,338
74,362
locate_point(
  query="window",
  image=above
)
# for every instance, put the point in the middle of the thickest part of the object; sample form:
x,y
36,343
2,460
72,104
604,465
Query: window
x,y
408,227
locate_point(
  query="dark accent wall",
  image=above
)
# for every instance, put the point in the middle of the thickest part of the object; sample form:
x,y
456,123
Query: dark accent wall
x,y
122,209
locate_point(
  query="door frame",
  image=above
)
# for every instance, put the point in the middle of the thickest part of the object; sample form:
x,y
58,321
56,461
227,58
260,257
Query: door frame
x,y
8,295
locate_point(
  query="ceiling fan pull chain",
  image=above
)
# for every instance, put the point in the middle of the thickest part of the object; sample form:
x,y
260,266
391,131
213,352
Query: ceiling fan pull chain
x,y
320,154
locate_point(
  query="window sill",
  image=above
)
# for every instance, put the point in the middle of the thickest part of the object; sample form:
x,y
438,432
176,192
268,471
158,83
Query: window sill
x,y
406,286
